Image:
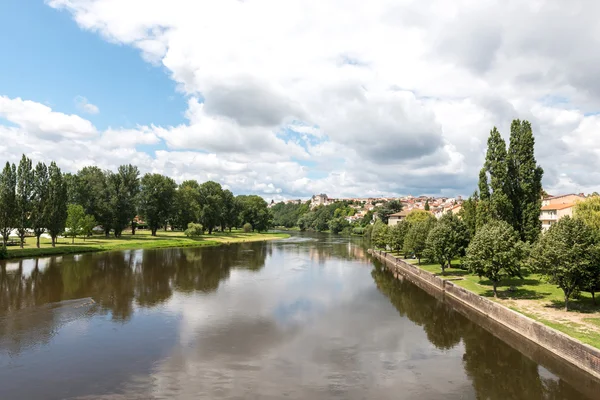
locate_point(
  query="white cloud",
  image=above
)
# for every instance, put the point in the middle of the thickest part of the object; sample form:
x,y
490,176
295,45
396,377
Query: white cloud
x,y
389,97
85,106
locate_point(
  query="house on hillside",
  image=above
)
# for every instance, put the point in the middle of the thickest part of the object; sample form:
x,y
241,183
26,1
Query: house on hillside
x,y
551,213
397,217
562,199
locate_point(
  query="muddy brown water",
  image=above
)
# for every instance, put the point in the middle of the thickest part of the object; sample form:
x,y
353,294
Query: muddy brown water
x,y
310,317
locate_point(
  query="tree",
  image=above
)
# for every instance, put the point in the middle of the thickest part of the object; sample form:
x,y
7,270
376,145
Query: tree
x,y
379,235
495,253
391,207
211,197
87,226
124,188
194,230
187,204
496,165
254,210
588,211
57,202
336,225
397,234
94,193
426,205
565,256
446,241
525,181
416,238
156,199
247,228
460,232
468,213
39,206
8,183
230,211
75,221
483,213
24,197
419,216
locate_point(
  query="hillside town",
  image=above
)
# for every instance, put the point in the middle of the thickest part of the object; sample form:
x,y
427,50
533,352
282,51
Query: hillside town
x,y
554,207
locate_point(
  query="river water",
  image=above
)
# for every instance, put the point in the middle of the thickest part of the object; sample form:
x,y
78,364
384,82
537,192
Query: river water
x,y
310,317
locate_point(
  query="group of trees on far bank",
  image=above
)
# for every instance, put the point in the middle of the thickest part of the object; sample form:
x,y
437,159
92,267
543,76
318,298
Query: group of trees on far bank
x,y
498,232
42,199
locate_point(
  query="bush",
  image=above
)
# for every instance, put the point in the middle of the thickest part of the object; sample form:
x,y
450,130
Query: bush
x,y
247,227
194,230
359,230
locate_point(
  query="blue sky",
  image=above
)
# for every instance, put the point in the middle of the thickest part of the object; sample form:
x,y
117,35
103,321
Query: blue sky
x,y
288,99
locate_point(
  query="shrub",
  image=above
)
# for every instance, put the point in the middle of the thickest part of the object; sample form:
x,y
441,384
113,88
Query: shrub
x,y
247,227
194,230
359,230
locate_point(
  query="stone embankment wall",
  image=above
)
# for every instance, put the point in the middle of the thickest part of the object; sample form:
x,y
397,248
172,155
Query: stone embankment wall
x,y
566,347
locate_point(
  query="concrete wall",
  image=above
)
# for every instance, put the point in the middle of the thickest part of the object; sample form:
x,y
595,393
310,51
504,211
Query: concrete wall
x,y
566,347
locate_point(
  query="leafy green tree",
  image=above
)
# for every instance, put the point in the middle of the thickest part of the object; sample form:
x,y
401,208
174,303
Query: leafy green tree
x,y
72,182
460,232
254,210
426,205
496,165
156,199
367,218
397,233
88,224
565,256
468,213
589,212
187,204
194,230
379,235
419,216
230,211
288,214
526,181
247,228
211,202
124,188
57,202
94,193
495,253
24,197
336,225
8,200
39,207
415,241
447,240
592,282
75,221
483,211
389,208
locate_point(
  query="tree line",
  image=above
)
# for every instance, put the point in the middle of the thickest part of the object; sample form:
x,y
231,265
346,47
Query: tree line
x,y
43,199
498,234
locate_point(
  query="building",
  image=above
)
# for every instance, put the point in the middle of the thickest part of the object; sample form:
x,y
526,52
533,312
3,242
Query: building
x,y
397,217
319,200
551,213
562,199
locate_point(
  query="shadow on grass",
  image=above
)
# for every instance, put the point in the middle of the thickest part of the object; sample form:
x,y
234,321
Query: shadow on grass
x,y
582,305
518,293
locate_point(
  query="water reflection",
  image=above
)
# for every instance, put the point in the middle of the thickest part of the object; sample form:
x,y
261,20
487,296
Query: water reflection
x,y
309,317
497,370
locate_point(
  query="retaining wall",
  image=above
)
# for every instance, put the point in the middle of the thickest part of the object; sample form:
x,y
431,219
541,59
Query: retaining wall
x,y
572,350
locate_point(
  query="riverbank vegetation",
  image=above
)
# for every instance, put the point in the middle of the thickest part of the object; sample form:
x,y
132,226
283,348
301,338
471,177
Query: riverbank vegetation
x,y
496,247
42,200
143,239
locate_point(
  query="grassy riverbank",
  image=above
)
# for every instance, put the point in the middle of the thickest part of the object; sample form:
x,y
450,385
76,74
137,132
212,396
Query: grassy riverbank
x,y
141,240
533,297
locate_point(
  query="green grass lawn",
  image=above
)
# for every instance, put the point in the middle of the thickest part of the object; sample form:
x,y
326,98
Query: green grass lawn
x,y
533,297
141,240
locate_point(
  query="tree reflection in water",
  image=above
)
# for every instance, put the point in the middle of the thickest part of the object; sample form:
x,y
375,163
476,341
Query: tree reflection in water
x,y
497,371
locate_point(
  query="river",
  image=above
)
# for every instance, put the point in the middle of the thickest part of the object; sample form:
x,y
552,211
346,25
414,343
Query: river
x,y
309,317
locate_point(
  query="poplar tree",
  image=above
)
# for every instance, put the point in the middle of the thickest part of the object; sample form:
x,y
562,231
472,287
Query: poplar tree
x,y
24,197
39,207
496,165
8,182
526,181
57,202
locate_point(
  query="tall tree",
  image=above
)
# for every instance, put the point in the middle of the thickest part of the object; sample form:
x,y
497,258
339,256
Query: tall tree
x,y
589,212
187,204
24,199
156,199
397,234
57,202
94,194
495,253
8,217
254,210
40,209
468,213
526,181
565,256
229,211
426,208
124,187
74,225
211,197
415,241
496,165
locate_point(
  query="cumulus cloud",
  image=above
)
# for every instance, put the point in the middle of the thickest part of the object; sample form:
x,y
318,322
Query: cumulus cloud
x,y
85,106
371,98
